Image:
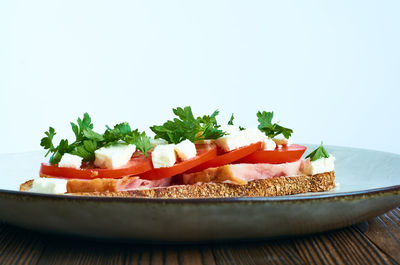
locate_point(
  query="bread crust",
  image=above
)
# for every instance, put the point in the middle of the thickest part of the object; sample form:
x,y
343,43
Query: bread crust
x,y
26,186
97,185
259,188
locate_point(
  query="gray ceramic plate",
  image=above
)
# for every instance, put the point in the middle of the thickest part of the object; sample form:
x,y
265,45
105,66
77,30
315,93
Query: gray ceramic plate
x,y
369,185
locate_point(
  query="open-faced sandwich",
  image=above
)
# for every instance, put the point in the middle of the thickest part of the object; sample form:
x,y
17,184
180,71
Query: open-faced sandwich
x,y
189,157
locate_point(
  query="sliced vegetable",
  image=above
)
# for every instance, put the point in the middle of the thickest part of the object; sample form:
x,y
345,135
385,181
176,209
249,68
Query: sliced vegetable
x,y
285,154
137,165
228,157
205,153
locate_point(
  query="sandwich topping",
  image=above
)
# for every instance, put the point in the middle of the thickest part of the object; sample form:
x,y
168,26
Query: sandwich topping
x,y
88,141
319,161
185,150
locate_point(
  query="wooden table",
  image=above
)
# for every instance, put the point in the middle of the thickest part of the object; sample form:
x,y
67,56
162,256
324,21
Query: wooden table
x,y
376,241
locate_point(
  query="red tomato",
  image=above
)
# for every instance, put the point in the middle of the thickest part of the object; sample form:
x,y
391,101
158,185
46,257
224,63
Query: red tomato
x,y
285,154
205,152
228,157
137,165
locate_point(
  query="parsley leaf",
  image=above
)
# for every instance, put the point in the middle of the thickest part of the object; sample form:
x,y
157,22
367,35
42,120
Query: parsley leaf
x,y
88,141
209,127
84,124
85,141
90,134
230,122
143,143
47,142
119,132
123,132
57,152
271,130
186,126
86,150
318,153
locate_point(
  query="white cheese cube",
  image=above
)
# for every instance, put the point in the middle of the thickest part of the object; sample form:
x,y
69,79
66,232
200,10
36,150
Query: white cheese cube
x,y
163,156
115,156
319,166
269,144
49,185
240,139
185,150
68,160
158,141
283,141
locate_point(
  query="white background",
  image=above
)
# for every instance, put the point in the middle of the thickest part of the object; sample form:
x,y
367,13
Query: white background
x,y
329,70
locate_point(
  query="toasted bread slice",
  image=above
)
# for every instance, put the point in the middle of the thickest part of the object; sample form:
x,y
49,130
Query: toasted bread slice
x,y
279,186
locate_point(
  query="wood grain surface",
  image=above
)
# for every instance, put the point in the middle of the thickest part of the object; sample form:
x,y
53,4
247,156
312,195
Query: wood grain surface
x,y
376,241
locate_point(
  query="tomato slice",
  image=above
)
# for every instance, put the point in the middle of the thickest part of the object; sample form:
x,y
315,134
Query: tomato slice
x,y
228,157
205,152
137,165
285,154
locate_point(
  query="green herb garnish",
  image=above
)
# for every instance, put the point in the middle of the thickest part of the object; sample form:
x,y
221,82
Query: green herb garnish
x,y
186,126
122,132
87,141
230,122
318,153
271,130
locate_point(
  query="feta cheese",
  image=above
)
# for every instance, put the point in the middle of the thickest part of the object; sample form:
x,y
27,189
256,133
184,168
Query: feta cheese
x,y
68,160
185,150
268,144
158,141
240,139
319,166
163,156
49,185
114,156
283,141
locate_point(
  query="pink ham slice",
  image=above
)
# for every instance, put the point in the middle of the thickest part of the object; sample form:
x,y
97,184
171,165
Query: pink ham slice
x,y
113,185
137,183
241,174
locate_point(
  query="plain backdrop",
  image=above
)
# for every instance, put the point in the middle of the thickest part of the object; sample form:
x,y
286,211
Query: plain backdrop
x,y
328,69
